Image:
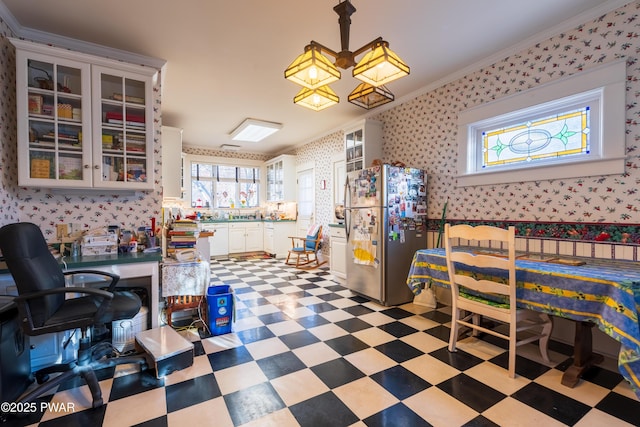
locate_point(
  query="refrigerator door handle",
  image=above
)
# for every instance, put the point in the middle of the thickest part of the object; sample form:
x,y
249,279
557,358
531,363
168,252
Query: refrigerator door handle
x,y
347,207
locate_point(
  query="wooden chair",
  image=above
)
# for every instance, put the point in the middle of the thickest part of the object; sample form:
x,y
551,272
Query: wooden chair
x,y
305,250
481,281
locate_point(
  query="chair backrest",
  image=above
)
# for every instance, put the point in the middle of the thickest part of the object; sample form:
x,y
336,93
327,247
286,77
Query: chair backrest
x,y
483,278
32,266
314,236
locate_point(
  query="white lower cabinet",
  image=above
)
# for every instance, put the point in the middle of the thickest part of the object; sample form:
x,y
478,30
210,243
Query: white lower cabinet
x,y
338,253
277,241
219,242
245,237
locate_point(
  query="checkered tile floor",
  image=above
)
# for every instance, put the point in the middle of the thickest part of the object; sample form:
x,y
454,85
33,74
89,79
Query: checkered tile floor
x,y
306,351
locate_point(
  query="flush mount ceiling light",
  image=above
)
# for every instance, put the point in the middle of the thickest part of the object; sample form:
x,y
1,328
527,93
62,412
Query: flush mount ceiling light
x,y
314,71
252,130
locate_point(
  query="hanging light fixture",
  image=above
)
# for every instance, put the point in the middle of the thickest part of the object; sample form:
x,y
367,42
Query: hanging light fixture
x,y
314,71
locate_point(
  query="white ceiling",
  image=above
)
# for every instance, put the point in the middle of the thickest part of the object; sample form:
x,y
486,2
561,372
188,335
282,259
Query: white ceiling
x,y
225,60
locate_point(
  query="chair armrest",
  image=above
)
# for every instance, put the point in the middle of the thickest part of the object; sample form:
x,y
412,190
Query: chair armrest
x,y
112,284
72,289
22,301
304,238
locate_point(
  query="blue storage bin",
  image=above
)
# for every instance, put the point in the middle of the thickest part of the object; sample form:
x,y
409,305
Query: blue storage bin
x,y
220,304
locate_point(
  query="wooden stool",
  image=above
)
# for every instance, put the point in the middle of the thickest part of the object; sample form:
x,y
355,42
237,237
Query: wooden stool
x,y
185,302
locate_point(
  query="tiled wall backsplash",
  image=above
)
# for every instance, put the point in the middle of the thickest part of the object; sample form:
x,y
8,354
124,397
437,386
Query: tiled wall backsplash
x,y
619,242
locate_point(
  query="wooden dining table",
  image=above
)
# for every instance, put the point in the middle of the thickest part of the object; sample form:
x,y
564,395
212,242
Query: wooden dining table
x,y
602,293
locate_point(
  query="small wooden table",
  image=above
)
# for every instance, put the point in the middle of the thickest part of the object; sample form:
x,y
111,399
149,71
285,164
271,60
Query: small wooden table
x,y
184,285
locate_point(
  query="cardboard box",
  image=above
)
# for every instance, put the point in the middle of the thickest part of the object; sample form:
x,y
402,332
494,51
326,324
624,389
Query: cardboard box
x,y
41,168
102,244
166,350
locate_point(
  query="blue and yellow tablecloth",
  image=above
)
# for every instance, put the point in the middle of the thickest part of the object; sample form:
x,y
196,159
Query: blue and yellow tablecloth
x,y
606,293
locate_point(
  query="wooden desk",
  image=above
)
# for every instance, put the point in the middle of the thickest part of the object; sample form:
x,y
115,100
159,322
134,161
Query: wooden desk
x,y
602,293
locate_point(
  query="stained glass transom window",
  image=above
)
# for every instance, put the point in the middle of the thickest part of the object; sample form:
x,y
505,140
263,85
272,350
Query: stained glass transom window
x,y
550,137
571,127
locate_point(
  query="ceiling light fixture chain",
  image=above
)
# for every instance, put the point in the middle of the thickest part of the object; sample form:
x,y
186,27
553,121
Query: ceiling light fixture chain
x,y
314,71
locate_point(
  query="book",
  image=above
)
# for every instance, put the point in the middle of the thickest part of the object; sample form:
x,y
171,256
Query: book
x,y
128,123
116,115
35,104
181,233
128,98
183,239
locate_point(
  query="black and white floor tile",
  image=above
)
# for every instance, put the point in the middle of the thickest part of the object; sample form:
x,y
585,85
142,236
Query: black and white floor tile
x,y
305,351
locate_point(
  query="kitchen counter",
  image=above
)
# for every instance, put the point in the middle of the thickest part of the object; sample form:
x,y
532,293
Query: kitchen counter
x,y
99,260
336,225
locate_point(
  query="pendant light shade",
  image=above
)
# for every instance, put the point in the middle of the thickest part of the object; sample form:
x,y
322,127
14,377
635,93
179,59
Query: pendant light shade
x,y
316,99
312,69
380,66
368,96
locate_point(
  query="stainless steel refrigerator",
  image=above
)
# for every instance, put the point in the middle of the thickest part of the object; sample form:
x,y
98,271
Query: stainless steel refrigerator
x,y
385,223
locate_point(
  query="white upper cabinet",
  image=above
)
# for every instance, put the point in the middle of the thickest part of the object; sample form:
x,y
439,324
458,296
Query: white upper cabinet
x,y
363,144
172,163
83,121
281,178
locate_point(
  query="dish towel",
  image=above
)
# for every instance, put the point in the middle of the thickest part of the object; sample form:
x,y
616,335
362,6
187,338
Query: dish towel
x,y
364,252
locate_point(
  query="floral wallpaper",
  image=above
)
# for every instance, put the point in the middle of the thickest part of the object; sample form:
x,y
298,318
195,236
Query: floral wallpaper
x,y
81,209
421,132
320,153
9,206
220,153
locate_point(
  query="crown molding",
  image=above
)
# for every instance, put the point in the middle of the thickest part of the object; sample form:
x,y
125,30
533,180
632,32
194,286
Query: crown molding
x,y
76,45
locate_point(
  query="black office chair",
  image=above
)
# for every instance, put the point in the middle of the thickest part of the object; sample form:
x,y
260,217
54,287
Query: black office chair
x,y
44,308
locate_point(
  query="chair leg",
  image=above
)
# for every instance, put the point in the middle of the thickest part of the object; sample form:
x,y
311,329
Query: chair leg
x,y
35,393
546,335
453,337
512,350
89,376
477,319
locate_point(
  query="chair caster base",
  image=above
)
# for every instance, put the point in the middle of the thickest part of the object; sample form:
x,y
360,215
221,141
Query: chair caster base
x,y
41,378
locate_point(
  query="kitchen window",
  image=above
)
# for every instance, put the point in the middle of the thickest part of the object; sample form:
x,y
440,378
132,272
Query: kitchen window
x,y
569,128
224,186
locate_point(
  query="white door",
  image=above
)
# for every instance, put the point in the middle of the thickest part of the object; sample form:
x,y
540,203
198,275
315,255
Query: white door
x,y
306,199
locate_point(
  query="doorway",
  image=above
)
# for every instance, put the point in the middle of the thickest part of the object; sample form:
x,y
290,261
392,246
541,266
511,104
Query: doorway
x,y
306,198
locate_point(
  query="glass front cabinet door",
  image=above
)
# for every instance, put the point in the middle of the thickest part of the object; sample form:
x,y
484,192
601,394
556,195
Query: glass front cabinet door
x,y
81,125
54,127
124,155
363,144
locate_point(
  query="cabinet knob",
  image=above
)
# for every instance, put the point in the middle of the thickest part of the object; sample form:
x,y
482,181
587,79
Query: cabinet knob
x,y
96,167
86,166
